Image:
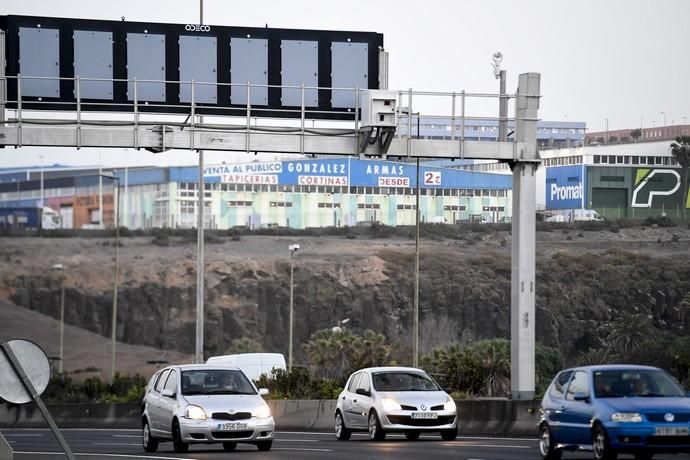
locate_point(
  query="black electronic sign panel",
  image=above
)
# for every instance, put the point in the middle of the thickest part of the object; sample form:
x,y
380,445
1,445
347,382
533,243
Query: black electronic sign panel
x,y
164,67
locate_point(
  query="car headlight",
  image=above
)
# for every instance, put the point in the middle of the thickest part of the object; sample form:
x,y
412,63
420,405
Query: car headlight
x,y
449,405
632,417
195,412
262,412
390,404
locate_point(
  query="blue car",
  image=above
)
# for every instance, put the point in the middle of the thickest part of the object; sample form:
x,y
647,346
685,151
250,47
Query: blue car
x,y
614,409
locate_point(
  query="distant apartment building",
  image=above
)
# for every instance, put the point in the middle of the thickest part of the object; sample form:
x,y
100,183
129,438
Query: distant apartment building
x,y
628,135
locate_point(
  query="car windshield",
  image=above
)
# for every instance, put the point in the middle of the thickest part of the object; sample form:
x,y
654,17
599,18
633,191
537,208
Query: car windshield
x,y
216,382
635,383
403,381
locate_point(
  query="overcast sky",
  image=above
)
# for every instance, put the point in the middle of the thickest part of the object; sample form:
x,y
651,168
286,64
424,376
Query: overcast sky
x,y
621,60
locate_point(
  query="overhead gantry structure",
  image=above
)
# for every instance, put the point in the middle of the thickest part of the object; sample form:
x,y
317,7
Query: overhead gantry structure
x,y
376,124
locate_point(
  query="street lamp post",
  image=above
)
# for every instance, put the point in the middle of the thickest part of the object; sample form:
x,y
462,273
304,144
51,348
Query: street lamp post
x,y
62,317
113,344
292,248
415,326
663,114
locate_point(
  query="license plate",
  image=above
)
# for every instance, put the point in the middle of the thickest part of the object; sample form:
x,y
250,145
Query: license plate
x,y
232,426
424,415
672,431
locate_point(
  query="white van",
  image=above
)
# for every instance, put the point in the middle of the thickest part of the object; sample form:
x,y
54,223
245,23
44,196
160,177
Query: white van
x,y
252,364
575,215
586,215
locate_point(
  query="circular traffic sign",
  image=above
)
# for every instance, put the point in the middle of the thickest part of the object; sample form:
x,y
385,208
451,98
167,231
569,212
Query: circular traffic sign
x,y
36,367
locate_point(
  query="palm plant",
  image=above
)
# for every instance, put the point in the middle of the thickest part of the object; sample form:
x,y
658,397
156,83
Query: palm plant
x,y
630,333
680,149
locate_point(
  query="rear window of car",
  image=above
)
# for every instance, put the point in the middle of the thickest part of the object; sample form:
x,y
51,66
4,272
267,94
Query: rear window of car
x,y
171,383
152,382
353,382
161,380
559,383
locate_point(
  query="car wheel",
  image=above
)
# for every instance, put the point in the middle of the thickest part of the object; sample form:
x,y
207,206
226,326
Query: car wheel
x,y
600,445
412,435
229,446
342,433
179,445
644,456
547,446
150,443
376,433
449,435
264,445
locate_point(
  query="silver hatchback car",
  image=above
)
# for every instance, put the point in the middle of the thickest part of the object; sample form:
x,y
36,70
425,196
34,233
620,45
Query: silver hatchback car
x,y
205,404
394,399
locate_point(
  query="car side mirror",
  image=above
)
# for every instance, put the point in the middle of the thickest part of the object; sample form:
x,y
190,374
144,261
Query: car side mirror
x,y
363,392
168,393
581,396
263,391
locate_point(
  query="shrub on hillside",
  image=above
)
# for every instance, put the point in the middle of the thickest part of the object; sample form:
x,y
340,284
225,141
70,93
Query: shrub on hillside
x,y
659,221
123,388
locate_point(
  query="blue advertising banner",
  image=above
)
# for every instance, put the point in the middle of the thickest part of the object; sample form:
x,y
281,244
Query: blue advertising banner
x,y
565,187
343,172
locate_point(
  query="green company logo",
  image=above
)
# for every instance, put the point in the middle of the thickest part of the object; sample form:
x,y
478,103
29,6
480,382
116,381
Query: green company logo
x,y
654,182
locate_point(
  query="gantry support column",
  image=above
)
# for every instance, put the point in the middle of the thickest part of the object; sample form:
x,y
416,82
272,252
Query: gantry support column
x,y
522,302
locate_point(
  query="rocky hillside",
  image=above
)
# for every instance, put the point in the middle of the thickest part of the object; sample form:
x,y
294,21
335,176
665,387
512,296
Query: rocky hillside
x,y
585,280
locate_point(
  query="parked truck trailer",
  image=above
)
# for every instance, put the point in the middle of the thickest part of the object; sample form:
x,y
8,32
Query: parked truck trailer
x,y
30,218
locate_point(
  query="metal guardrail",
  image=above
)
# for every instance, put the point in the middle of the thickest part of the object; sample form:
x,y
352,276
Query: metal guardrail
x,y
234,117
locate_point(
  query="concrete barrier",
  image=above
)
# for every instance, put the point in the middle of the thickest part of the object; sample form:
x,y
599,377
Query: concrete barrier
x,y
5,449
498,417
126,415
313,415
475,417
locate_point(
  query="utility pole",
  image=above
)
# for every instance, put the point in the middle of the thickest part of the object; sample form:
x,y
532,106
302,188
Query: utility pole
x,y
199,347
116,223
61,350
292,248
42,191
115,276
606,122
415,327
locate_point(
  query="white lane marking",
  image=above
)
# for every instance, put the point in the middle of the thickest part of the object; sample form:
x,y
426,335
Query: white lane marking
x,y
102,455
480,438
73,429
489,438
498,446
295,440
127,436
24,435
301,450
114,444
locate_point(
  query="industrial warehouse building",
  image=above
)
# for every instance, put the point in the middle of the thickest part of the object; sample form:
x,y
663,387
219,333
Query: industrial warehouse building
x,y
633,180
297,193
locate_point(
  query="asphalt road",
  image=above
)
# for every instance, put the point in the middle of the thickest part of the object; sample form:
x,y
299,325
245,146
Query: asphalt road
x,y
126,444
